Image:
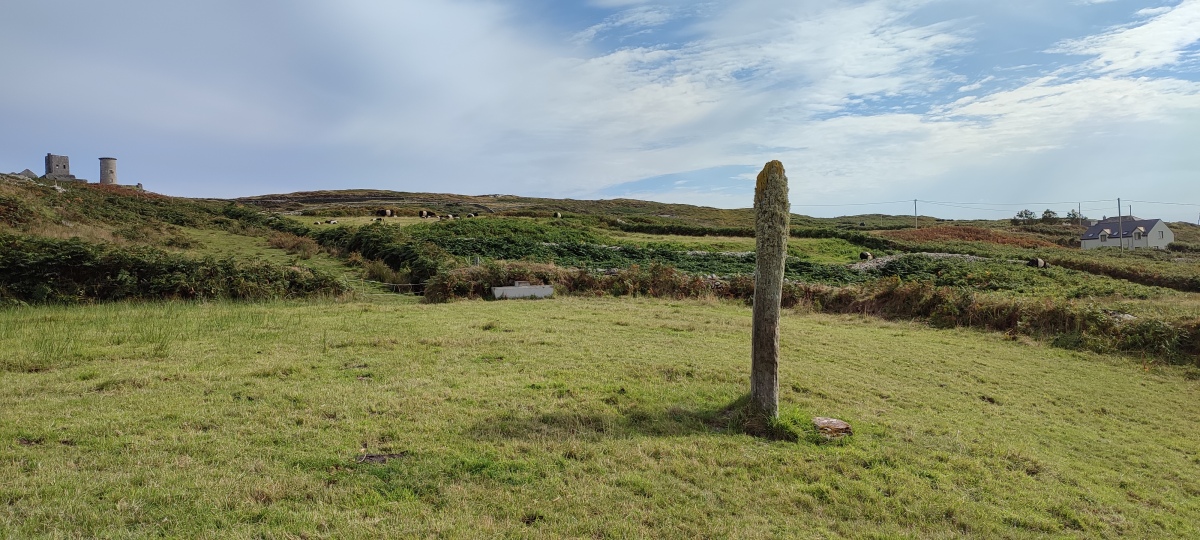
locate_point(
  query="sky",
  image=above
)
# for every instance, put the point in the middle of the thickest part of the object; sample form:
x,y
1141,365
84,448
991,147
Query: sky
x,y
976,109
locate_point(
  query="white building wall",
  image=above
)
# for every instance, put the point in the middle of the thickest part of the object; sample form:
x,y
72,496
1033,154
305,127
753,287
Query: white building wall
x,y
1157,238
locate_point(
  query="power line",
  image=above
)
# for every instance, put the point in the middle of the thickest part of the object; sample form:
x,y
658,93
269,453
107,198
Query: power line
x,y
1170,203
967,207
1020,204
991,206
855,204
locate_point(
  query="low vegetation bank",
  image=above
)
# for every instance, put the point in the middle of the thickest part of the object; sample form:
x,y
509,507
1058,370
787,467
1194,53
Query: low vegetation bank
x,y
46,270
1063,323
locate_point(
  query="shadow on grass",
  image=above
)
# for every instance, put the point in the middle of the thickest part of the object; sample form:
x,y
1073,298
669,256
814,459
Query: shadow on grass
x,y
733,418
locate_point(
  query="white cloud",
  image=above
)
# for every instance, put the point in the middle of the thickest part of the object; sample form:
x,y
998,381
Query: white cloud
x,y
977,84
1158,42
1151,12
637,19
857,98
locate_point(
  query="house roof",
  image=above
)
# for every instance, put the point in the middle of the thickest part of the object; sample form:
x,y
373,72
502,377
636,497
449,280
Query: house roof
x,y
1124,219
1127,227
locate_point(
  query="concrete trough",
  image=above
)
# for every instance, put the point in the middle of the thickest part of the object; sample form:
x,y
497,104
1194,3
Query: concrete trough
x,y
522,289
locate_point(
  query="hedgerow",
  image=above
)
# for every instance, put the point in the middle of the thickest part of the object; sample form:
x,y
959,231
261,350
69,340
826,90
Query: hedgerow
x,y
46,270
1063,324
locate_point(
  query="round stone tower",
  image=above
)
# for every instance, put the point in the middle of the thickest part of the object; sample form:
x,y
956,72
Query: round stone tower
x,y
108,170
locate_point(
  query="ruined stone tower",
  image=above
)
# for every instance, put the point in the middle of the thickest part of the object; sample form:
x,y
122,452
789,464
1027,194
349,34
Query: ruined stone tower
x,y
58,168
108,171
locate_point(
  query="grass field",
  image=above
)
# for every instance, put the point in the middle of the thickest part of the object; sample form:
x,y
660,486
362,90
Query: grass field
x,y
570,418
218,243
822,250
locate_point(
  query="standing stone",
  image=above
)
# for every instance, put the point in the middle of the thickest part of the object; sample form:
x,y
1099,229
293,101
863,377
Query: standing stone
x,y
772,213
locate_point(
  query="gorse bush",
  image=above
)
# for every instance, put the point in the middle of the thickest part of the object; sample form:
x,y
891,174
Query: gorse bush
x,y
425,249
14,212
654,280
422,251
486,228
295,245
380,271
391,245
1145,267
43,270
651,226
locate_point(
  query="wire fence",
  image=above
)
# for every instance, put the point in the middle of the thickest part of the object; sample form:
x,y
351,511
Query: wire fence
x,y
416,289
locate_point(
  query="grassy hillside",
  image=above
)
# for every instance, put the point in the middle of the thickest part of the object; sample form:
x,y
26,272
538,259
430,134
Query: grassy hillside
x,y
602,413
571,418
84,242
613,247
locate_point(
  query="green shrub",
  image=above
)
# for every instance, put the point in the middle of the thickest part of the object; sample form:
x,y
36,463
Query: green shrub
x,y
44,270
890,297
295,245
380,271
14,212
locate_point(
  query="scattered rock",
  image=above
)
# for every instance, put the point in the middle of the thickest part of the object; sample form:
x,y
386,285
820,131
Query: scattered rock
x,y
879,262
831,428
532,517
379,458
1119,316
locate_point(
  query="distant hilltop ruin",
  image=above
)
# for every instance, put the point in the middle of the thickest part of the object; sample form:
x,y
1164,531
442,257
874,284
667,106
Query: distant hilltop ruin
x,y
58,168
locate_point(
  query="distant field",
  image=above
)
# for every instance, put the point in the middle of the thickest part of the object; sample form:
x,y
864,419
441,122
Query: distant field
x,y
570,418
354,220
219,243
823,250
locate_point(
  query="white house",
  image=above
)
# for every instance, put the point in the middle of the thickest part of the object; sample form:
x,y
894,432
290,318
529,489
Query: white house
x,y
1129,232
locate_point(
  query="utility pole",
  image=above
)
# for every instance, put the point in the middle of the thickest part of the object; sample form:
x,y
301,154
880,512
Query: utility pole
x,y
915,226
1131,222
1079,212
1120,226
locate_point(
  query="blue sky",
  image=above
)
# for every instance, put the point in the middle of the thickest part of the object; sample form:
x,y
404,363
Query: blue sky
x,y
988,107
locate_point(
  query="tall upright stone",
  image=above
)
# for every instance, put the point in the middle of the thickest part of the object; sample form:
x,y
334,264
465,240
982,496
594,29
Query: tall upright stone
x,y
772,214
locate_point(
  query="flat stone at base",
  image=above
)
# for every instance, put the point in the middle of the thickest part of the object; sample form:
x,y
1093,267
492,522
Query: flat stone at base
x,y
832,428
523,291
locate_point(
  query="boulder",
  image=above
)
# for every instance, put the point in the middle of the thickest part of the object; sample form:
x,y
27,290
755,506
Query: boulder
x,y
832,429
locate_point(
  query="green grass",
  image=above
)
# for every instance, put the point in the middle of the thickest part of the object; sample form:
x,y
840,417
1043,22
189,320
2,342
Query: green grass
x,y
354,220
570,418
819,250
221,244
